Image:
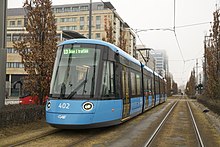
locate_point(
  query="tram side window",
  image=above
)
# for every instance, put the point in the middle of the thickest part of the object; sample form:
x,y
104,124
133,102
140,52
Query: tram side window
x,y
108,79
138,80
133,84
157,86
150,85
147,84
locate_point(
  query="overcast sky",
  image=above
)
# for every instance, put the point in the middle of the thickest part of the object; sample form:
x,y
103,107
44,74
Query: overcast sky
x,y
154,14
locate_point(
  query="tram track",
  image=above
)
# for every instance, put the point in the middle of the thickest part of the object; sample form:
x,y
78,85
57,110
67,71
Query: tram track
x,y
195,126
160,126
173,123
28,140
58,137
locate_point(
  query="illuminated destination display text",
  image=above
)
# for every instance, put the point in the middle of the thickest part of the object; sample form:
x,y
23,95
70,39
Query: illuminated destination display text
x,y
76,51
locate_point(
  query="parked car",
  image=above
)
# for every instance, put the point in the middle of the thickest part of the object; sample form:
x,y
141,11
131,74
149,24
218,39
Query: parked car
x,y
28,99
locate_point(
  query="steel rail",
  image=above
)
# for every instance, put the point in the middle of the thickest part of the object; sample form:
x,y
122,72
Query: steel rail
x,y
159,127
25,141
195,126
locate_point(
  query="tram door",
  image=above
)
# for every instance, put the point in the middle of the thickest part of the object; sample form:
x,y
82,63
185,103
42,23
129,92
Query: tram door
x,y
146,91
125,91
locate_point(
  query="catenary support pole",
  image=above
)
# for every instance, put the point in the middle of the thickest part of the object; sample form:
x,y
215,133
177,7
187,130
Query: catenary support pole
x,y
3,8
90,19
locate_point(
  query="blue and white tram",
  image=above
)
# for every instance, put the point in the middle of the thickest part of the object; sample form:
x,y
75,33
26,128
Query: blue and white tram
x,y
96,84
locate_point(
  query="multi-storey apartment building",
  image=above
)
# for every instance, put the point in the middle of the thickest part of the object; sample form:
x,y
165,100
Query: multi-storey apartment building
x,y
161,62
74,17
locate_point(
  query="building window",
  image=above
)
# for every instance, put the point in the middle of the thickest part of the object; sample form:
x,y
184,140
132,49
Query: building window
x,y
14,65
87,35
8,37
98,26
100,7
11,51
59,10
62,19
16,37
68,28
74,28
12,23
81,27
82,21
98,36
62,28
67,9
74,19
19,23
75,9
84,8
98,19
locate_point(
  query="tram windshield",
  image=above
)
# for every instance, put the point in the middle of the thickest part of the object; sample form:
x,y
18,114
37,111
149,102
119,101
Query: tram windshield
x,y
75,71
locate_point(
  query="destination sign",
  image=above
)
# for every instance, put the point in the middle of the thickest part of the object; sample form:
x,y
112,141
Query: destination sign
x,y
76,51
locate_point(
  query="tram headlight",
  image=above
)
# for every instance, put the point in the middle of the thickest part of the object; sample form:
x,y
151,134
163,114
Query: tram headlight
x,y
48,105
87,106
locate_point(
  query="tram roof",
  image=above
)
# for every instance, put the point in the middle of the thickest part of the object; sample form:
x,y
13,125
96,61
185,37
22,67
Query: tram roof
x,y
148,69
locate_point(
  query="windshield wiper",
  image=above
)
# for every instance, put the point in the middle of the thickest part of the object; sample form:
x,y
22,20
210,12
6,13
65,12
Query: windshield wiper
x,y
84,91
63,90
78,87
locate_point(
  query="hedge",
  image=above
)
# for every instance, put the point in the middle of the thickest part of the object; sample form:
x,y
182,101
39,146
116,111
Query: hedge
x,y
212,105
20,114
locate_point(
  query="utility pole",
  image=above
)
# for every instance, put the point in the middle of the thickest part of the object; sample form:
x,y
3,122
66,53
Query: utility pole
x,y
90,19
197,72
197,77
3,8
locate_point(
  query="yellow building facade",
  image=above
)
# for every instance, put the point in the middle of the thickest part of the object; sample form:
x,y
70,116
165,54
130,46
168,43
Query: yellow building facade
x,y
74,17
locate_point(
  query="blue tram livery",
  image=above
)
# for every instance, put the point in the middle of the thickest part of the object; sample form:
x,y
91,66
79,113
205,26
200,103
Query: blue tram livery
x,y
96,84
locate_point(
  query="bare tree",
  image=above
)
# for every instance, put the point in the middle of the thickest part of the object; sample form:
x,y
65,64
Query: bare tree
x,y
122,41
108,30
37,48
212,54
175,88
191,85
168,88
